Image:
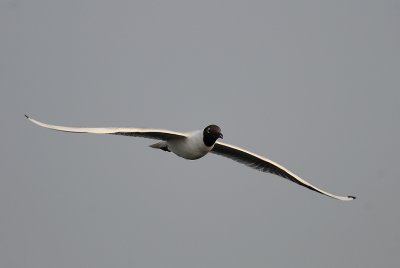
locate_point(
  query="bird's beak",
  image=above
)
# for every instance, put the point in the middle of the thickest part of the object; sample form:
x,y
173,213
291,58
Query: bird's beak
x,y
221,136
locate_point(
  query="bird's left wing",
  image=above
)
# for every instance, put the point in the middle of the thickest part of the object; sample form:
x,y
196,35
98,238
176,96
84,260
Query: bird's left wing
x,y
265,165
157,134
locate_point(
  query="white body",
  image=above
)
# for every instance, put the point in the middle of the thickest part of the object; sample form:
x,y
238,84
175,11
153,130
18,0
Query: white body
x,y
190,148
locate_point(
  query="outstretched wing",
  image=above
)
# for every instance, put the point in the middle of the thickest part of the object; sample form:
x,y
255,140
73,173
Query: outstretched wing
x,y
265,165
157,134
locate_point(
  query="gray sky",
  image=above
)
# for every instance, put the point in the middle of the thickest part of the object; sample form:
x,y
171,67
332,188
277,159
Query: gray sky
x,y
313,85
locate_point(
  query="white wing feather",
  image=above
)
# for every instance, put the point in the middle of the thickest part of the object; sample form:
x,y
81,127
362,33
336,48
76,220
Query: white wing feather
x,y
157,134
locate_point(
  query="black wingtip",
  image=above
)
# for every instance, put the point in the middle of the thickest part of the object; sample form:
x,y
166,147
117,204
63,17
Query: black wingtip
x,y
352,197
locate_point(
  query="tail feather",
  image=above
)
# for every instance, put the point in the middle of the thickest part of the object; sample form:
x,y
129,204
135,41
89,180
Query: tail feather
x,y
160,145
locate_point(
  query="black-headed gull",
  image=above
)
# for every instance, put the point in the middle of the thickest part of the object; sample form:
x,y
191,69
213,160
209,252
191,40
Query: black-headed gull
x,y
196,144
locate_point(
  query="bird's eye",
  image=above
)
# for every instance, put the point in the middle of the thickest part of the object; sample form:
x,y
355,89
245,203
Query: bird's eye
x,y
208,130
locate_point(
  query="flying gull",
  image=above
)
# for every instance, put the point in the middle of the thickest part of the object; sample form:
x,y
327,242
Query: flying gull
x,y
196,144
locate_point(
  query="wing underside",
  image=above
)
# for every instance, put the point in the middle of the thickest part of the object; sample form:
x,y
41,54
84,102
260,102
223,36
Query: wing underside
x,y
157,134
265,165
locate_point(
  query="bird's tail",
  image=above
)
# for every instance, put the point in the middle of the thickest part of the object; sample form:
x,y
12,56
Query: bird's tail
x,y
160,145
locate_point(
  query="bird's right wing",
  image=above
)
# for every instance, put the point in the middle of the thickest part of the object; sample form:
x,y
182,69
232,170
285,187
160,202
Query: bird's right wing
x,y
157,134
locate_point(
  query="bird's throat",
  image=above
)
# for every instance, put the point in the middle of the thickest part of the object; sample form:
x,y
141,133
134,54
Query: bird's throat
x,y
209,140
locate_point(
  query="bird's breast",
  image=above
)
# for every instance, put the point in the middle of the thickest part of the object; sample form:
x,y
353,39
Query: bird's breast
x,y
191,147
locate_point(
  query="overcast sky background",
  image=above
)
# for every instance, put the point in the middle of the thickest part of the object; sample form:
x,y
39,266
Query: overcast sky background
x,y
313,85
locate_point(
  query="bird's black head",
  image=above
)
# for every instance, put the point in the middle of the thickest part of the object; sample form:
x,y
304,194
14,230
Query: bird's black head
x,y
210,134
